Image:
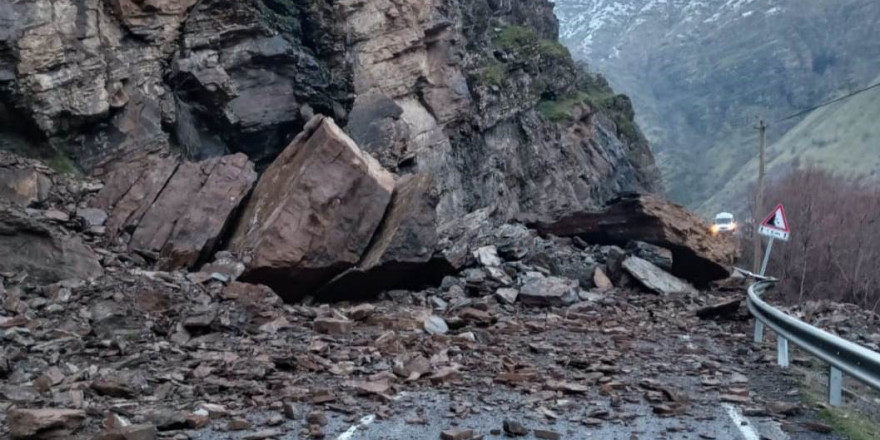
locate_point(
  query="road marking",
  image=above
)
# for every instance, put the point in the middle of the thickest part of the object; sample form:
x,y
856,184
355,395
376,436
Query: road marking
x,y
746,429
361,423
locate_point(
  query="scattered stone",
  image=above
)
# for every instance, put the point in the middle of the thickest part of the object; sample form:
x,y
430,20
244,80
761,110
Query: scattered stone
x,y
290,410
54,214
549,291
435,325
44,423
91,217
238,425
487,256
547,435
263,434
316,418
333,326
361,311
655,278
787,409
139,432
457,434
515,429
719,310
507,295
601,281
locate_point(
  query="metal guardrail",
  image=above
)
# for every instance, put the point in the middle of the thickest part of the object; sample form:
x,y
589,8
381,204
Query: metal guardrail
x,y
844,357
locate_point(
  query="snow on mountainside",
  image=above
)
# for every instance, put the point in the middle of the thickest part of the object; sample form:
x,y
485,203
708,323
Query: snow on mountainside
x,y
700,72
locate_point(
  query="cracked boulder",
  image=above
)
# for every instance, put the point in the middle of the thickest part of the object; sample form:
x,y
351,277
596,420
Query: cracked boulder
x,y
401,255
313,213
176,212
697,256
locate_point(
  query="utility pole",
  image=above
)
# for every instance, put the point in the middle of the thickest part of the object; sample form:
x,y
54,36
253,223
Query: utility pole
x,y
759,198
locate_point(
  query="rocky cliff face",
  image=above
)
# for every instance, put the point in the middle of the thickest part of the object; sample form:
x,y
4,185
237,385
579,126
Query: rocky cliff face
x,y
700,73
478,94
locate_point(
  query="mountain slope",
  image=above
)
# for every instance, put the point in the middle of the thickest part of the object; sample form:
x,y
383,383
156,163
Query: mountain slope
x,y
842,137
699,73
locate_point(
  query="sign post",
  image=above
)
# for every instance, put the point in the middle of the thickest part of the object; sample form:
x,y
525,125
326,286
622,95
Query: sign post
x,y
776,227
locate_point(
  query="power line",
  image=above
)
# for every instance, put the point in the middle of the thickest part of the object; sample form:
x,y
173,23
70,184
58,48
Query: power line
x,y
803,112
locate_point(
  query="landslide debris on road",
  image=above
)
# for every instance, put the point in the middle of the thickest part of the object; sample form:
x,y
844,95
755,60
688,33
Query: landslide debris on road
x,y
697,255
132,352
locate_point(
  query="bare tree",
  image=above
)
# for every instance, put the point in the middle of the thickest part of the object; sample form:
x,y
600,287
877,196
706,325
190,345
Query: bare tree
x,y
834,251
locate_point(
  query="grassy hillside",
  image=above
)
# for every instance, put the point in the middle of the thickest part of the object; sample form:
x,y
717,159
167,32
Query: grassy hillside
x,y
843,138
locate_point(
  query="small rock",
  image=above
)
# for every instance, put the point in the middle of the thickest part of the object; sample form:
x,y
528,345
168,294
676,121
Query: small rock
x,y
111,387
507,295
238,425
602,282
488,256
290,410
547,435
139,432
361,311
784,408
317,418
514,428
457,434
333,326
435,325
263,434
54,214
91,217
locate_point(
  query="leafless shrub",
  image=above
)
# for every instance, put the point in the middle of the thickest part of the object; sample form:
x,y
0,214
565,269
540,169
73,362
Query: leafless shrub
x,y
834,250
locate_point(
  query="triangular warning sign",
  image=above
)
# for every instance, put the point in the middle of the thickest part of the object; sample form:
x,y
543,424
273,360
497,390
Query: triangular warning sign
x,y
777,219
775,225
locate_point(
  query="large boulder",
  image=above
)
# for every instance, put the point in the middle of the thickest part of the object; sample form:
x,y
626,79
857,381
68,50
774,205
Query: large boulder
x,y
401,254
697,255
313,213
177,211
44,252
654,278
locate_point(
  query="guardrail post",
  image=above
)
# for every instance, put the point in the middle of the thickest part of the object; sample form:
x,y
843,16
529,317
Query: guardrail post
x,y
835,387
781,351
759,331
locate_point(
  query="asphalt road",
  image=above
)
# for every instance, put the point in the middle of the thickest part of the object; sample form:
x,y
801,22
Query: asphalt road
x,y
488,413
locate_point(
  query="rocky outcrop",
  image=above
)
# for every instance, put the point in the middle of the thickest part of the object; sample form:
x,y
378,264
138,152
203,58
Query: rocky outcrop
x,y
313,213
175,212
477,94
698,256
43,252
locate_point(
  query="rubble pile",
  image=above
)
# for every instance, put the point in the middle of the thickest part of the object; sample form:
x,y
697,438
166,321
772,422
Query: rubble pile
x,y
107,346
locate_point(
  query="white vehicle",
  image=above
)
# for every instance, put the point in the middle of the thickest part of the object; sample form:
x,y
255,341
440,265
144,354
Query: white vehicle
x,y
723,223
